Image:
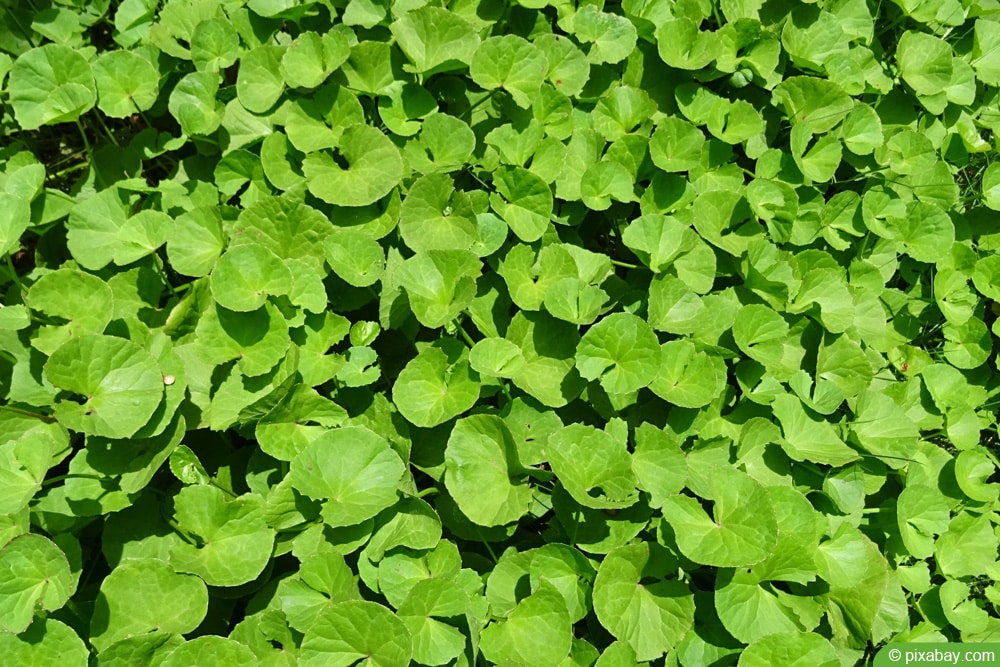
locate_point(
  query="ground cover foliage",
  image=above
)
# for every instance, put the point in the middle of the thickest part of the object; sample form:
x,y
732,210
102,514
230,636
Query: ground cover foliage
x,y
360,332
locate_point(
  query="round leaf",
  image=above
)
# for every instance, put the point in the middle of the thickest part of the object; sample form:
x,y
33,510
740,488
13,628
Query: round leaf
x,y
50,84
126,82
354,470
743,530
432,388
245,275
593,466
538,632
510,63
145,594
364,168
122,385
347,632
620,350
795,649
636,602
480,468
232,541
34,574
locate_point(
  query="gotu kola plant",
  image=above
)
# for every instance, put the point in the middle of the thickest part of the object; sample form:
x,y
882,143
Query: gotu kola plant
x,y
486,332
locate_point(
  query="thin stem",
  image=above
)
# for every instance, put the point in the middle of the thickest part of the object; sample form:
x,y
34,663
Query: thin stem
x,y
107,132
482,99
48,419
69,170
17,279
181,532
83,135
221,488
465,335
429,491
59,478
487,545
624,265
25,33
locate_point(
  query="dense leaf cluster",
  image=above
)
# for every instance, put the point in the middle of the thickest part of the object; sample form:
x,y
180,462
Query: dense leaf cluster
x,y
493,332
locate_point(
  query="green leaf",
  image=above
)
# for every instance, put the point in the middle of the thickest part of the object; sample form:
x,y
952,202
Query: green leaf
x,y
537,632
795,649
482,472
121,383
86,303
808,437
440,284
682,45
819,103
214,45
435,39
232,542
605,181
126,83
436,216
925,62
211,651
353,470
47,642
687,377
443,145
568,66
145,594
259,84
192,102
676,145
594,467
742,531
926,231
434,642
991,187
549,348
346,632
973,468
620,350
638,604
365,166
34,574
246,275
510,63
434,387
195,241
311,58
355,257
523,200
50,84
496,357
611,37
259,338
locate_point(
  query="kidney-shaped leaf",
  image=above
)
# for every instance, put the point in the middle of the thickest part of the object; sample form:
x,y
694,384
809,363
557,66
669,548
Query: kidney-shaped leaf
x,y
233,542
622,351
537,632
482,469
364,168
595,467
356,631
743,530
34,574
354,470
246,274
121,382
144,594
50,84
636,602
